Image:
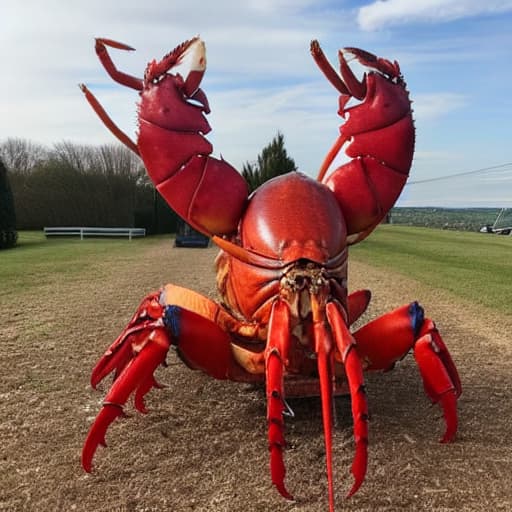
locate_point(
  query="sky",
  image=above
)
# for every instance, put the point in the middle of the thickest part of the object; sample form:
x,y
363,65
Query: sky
x,y
455,56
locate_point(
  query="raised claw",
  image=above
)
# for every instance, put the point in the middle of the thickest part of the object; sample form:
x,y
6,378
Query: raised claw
x,y
326,68
378,136
392,69
348,84
196,51
356,88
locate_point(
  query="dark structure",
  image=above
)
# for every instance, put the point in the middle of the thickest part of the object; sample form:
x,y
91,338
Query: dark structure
x,y
8,233
186,236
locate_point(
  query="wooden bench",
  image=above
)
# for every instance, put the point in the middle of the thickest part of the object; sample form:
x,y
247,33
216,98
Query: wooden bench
x,y
82,232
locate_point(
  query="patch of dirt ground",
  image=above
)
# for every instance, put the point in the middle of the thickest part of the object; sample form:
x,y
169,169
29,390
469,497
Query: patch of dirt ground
x,y
203,445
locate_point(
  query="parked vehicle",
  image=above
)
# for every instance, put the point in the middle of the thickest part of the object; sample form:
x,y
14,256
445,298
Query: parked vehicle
x,y
502,225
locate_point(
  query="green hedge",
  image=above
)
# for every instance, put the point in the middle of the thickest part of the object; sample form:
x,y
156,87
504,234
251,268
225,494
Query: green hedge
x,y
8,233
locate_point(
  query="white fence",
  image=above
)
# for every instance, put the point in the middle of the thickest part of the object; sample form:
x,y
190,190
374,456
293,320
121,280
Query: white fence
x,y
82,232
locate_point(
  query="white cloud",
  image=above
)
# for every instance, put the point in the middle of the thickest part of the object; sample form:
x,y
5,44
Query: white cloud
x,y
258,81
382,13
304,113
260,76
433,106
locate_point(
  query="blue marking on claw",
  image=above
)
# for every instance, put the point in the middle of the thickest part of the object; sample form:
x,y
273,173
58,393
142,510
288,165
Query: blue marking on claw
x,y
172,320
417,316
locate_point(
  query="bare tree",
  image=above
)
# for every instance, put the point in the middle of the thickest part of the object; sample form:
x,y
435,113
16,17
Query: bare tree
x,y
76,156
73,184
20,156
118,159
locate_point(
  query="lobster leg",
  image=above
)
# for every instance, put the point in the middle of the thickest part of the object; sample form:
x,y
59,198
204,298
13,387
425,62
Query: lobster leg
x,y
390,337
120,352
276,355
118,76
107,120
325,363
143,346
346,346
357,303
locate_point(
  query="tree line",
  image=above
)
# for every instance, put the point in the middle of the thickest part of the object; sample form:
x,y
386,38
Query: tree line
x,y
82,185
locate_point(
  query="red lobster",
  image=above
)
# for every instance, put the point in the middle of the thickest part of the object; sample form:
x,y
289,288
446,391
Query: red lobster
x,y
285,314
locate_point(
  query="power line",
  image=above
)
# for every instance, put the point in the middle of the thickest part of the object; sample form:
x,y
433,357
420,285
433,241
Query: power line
x,y
456,175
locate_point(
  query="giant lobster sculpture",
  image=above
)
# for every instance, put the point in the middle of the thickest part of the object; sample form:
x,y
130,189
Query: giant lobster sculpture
x,y
285,313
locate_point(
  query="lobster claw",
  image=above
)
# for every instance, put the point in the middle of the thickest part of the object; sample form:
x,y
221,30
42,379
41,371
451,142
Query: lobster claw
x,y
136,376
197,53
121,351
378,135
97,432
194,52
441,380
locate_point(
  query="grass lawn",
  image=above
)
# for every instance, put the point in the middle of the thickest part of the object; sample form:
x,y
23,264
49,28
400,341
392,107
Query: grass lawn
x,y
63,302
39,261
474,266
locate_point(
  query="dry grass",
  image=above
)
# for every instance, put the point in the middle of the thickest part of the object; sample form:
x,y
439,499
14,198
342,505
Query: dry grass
x,y
203,445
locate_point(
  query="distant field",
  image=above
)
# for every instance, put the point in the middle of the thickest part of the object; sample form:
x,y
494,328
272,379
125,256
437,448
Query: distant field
x,y
462,219
474,266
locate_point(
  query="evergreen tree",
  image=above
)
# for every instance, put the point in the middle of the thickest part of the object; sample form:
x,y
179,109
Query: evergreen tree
x,y
8,233
272,161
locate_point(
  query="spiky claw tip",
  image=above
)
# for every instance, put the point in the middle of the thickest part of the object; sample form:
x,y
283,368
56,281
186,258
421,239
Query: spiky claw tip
x,y
96,435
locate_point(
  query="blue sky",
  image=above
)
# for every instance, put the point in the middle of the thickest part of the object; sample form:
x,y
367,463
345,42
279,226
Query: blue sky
x,y
456,57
